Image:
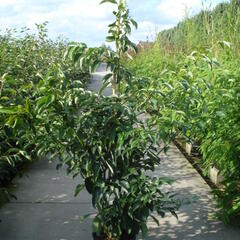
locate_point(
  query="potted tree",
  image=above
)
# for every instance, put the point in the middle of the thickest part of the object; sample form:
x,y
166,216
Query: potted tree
x,y
113,151
111,148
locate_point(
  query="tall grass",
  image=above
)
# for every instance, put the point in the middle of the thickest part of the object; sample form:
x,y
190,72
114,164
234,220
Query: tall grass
x,y
204,30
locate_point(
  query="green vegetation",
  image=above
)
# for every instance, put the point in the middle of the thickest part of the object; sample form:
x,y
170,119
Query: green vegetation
x,y
27,63
46,110
188,82
192,76
112,149
204,30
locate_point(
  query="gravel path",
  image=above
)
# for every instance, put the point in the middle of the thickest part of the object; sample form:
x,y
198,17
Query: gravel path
x,y
47,210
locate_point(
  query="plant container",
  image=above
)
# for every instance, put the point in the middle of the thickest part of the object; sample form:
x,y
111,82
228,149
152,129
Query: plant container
x,y
95,237
215,176
188,148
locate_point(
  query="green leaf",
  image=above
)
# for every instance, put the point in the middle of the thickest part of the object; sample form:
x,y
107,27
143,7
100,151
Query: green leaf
x,y
108,1
93,67
144,229
155,220
78,189
8,110
46,100
76,57
83,218
110,38
220,114
109,167
134,23
132,45
96,226
225,44
89,185
104,86
24,153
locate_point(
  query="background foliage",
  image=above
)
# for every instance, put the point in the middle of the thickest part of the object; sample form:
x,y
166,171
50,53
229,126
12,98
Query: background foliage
x,y
191,75
27,64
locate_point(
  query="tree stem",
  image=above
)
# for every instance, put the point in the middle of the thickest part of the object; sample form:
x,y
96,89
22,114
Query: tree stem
x,y
116,70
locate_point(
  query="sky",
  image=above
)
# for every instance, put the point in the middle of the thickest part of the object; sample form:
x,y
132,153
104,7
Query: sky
x,y
87,21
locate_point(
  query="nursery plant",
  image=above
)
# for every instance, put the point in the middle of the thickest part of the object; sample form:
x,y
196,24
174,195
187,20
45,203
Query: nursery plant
x,y
44,108
119,32
25,62
112,150
193,86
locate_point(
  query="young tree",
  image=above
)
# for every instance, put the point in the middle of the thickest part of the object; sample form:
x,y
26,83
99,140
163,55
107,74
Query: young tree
x,y
119,32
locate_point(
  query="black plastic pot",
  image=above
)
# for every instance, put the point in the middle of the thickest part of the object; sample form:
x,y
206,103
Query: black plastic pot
x,y
124,237
95,237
